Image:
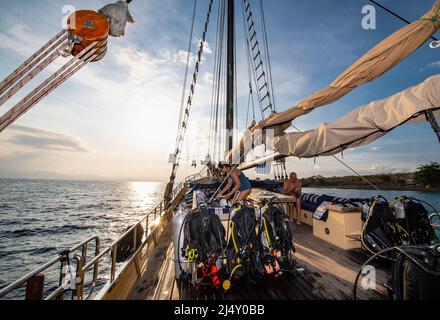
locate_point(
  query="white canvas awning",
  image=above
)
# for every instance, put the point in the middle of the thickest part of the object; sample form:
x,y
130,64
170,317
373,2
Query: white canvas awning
x,y
365,124
380,59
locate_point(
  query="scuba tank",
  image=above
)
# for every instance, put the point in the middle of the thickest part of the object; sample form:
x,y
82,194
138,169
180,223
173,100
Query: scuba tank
x,y
434,219
178,222
398,208
275,235
380,230
242,252
202,244
413,217
416,273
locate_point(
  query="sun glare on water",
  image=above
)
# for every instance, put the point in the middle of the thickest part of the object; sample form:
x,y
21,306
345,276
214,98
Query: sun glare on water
x,y
144,194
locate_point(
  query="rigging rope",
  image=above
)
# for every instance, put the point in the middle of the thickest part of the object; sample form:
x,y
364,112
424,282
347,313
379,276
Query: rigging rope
x,y
430,117
186,113
82,47
211,121
70,68
52,50
29,63
182,103
400,17
267,53
217,80
262,84
249,67
347,166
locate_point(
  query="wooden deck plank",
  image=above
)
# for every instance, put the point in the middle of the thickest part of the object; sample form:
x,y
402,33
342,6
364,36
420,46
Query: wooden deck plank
x,y
332,269
304,287
145,287
293,292
166,279
176,292
252,294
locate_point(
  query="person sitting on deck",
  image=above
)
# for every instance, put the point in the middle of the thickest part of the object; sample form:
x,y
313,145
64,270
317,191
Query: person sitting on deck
x,y
293,187
237,179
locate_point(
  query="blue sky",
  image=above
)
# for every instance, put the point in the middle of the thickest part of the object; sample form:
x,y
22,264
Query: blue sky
x,y
117,118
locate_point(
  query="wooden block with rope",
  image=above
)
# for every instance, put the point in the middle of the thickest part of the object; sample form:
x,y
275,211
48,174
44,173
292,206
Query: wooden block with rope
x,y
87,27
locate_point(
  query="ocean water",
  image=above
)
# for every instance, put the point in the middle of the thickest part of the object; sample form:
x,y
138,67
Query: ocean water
x,y
433,198
40,219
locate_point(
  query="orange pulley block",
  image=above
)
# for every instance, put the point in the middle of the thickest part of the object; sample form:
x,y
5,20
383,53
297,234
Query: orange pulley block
x,y
87,27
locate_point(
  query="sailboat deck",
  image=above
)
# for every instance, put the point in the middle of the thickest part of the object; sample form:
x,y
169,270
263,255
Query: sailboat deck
x,y
329,273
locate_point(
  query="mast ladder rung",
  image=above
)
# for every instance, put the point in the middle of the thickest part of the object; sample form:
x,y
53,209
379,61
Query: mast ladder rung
x,y
249,16
267,95
253,36
261,76
268,107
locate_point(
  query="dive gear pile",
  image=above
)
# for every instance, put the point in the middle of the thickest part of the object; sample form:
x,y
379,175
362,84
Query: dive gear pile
x,y
402,232
275,237
208,256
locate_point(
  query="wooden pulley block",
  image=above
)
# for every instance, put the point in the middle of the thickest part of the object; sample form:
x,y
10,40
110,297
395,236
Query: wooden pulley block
x,y
86,27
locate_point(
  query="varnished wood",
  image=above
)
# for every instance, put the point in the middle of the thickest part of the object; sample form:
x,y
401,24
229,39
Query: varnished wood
x,y
90,26
258,195
35,288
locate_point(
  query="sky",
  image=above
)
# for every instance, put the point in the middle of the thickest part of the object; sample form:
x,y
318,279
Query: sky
x,y
118,118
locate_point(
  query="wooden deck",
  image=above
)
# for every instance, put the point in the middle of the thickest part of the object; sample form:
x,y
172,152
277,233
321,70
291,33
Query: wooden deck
x,y
329,274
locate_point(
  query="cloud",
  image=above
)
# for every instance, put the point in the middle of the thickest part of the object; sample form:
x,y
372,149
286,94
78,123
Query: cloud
x,y
19,38
45,140
383,169
431,65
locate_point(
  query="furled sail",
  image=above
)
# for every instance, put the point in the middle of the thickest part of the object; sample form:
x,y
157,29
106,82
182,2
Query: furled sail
x,y
372,65
365,124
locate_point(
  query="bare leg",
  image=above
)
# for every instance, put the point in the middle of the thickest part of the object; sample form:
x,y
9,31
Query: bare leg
x,y
290,211
243,195
298,210
235,199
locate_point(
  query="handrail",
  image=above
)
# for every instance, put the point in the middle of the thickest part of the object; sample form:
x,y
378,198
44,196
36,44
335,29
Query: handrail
x,y
81,259
20,282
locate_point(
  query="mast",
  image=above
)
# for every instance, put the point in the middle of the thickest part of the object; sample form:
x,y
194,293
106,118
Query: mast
x,y
230,97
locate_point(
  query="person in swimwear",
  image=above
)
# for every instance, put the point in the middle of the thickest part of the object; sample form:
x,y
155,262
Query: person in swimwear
x,y
293,187
238,182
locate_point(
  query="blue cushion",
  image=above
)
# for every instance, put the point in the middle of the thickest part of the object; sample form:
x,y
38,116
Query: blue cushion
x,y
311,202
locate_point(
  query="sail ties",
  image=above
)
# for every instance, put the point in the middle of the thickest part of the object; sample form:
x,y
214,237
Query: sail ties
x,y
434,19
430,117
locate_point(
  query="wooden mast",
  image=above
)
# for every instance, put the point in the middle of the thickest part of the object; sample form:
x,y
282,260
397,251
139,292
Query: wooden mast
x,y
230,96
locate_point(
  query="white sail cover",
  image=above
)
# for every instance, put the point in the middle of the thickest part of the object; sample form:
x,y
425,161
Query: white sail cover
x,y
365,124
383,57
